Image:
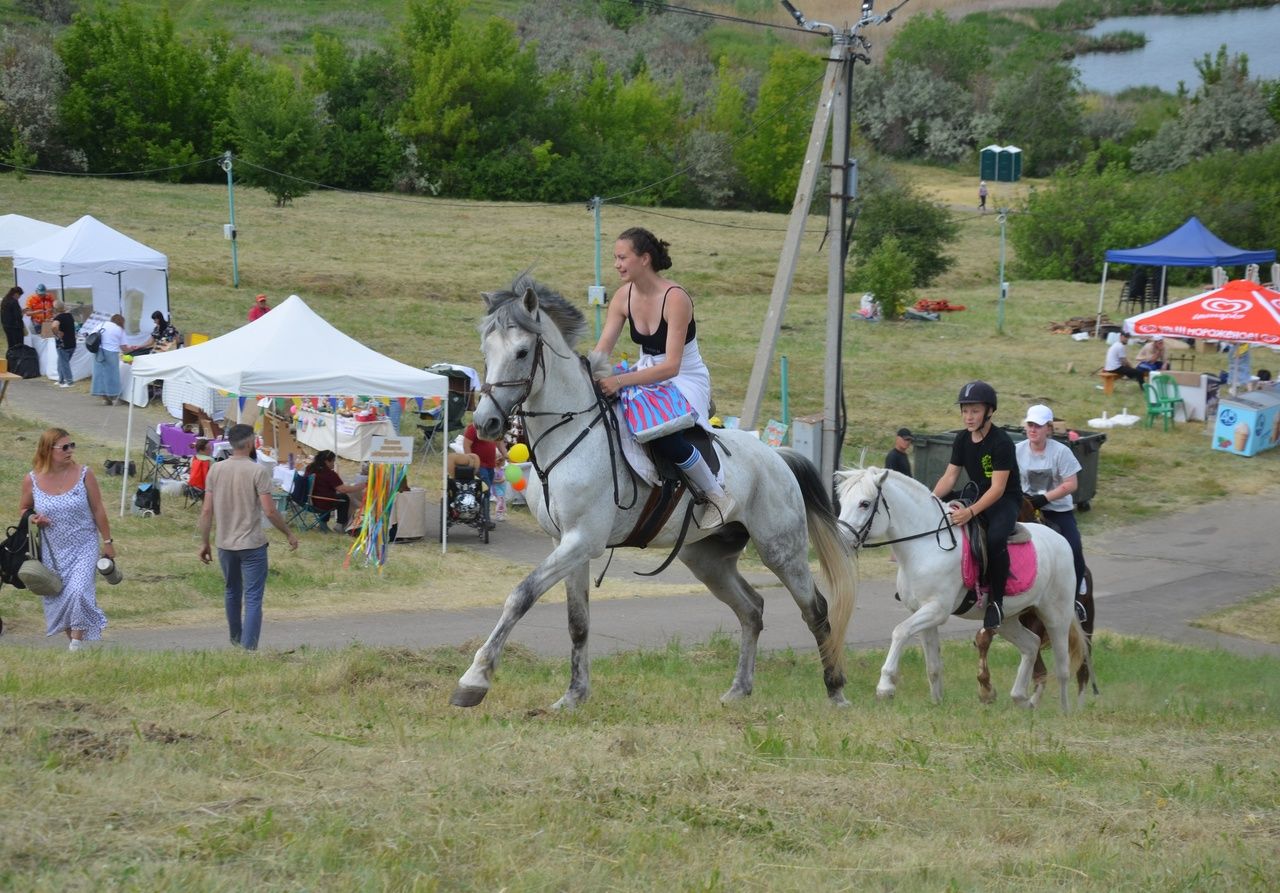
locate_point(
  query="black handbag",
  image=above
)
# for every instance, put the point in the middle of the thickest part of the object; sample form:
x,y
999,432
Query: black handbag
x,y
15,548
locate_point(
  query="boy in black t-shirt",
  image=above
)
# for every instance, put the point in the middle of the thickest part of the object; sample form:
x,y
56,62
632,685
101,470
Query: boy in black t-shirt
x,y
64,328
987,455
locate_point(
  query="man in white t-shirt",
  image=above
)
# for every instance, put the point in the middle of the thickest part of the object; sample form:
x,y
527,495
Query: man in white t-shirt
x,y
1117,360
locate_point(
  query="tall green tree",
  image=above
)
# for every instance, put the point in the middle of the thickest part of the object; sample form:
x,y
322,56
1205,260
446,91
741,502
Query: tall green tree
x,y
276,129
1037,108
955,51
920,229
771,155
360,97
138,95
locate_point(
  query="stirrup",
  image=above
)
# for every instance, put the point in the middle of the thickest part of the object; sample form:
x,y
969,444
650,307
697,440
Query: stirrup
x,y
992,606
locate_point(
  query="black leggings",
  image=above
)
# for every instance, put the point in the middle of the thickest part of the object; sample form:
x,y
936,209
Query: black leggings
x,y
1065,524
998,521
674,447
340,503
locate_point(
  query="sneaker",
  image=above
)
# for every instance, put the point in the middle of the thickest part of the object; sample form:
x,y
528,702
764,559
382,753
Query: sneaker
x,y
75,645
64,384
717,511
993,617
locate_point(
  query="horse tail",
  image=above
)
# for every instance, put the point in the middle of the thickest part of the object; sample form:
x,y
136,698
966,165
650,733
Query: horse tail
x,y
1079,651
834,556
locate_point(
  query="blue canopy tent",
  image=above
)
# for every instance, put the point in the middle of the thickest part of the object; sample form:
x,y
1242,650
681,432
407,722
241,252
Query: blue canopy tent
x,y
1190,245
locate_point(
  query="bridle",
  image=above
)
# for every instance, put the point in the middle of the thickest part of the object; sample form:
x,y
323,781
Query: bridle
x,y
860,534
600,406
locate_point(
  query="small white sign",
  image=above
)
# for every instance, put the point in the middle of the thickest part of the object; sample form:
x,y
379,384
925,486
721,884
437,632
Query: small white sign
x,y
595,294
385,450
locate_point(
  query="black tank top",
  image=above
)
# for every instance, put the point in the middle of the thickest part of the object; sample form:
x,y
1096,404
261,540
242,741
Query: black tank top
x,y
656,344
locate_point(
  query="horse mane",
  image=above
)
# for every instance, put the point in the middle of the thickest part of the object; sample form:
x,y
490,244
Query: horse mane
x,y
506,308
848,478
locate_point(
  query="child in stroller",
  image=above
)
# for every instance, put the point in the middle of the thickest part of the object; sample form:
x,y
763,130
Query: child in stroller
x,y
467,501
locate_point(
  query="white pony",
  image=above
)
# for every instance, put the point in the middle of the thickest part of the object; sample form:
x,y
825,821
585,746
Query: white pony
x,y
879,505
586,498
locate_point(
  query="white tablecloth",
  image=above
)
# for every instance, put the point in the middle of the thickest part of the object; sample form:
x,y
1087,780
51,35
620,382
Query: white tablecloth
x,y
177,393
47,349
354,439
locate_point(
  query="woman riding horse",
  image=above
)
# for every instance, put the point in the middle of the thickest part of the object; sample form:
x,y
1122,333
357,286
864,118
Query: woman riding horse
x,y
669,351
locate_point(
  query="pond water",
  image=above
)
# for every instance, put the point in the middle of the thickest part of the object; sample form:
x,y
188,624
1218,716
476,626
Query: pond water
x,y
1174,43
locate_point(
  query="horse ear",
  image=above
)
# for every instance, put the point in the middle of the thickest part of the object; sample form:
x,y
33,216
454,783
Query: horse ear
x,y
531,300
490,299
884,476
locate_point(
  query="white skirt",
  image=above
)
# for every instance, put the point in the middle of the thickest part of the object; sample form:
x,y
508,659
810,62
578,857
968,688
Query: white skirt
x,y
693,380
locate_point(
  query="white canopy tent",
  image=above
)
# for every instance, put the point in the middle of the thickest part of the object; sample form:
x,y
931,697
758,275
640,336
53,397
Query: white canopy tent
x,y
113,273
289,352
17,232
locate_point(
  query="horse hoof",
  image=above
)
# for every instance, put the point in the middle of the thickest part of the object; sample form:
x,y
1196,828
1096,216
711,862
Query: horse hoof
x,y
885,694
838,700
987,697
1024,701
467,696
733,695
565,705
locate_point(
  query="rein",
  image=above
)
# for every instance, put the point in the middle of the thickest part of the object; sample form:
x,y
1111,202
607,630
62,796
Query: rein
x,y
600,407
944,523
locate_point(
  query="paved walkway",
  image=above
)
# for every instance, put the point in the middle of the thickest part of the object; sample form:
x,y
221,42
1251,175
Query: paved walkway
x,y
1151,579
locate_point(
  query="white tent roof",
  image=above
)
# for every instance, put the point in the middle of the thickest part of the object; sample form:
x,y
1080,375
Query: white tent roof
x,y
293,352
17,232
87,246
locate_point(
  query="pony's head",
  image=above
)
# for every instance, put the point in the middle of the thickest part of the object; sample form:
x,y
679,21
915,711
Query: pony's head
x,y
859,491
522,322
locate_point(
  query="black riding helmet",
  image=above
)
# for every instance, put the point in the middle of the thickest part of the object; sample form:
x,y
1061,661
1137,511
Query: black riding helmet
x,y
978,392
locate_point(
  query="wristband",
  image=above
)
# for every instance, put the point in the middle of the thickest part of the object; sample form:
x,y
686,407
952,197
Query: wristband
x,y
108,541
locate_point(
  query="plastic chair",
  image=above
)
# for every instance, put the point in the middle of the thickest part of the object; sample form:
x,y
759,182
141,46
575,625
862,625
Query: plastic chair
x,y
301,512
1156,407
195,338
1168,391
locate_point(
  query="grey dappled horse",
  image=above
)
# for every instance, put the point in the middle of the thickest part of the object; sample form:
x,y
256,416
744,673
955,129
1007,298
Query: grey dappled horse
x,y
591,500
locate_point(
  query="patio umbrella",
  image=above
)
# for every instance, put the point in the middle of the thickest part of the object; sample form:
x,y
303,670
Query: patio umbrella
x,y
1240,311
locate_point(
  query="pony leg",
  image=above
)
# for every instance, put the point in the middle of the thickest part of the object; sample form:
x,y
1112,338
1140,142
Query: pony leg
x,y
933,662
982,641
1059,636
930,615
577,587
1028,643
571,553
714,561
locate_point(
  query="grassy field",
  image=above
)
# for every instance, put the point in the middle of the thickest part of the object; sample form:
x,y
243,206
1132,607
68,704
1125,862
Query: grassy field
x,y
405,277
1258,618
346,771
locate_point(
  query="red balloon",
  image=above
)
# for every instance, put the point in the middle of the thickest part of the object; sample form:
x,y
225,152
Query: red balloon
x,y
520,484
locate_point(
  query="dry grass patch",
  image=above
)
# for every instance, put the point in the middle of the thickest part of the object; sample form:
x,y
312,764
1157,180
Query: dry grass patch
x,y
1257,619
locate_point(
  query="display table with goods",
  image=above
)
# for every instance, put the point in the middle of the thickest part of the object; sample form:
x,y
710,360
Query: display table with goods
x,y
348,430
47,349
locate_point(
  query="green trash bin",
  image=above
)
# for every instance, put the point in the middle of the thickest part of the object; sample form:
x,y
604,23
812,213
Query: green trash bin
x,y
932,454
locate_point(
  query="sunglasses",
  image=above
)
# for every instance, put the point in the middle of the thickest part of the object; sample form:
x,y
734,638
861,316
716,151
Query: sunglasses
x,y
66,447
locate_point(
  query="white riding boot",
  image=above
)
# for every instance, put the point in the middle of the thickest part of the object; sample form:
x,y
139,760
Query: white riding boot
x,y
720,504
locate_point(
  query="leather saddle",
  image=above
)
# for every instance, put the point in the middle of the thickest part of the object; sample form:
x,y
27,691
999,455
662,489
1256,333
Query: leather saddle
x,y
664,498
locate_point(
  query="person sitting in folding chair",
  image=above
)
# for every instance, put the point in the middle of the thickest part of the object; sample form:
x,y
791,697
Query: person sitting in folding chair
x,y
329,493
199,470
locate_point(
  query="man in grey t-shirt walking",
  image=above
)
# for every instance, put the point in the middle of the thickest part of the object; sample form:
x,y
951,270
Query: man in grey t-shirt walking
x,y
237,494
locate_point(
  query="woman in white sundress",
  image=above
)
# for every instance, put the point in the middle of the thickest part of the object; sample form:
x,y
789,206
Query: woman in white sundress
x,y
68,509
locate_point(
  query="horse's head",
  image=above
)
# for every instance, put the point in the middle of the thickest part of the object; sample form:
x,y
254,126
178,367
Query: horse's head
x,y
860,491
515,340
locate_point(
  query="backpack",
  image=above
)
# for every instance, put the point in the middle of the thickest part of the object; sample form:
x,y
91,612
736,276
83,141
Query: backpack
x,y
15,548
147,500
93,341
23,361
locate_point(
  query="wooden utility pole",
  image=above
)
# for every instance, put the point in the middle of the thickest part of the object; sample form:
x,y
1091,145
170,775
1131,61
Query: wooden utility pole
x,y
832,114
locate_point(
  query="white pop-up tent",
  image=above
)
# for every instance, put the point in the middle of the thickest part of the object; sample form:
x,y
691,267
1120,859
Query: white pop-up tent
x,y
288,352
89,262
17,232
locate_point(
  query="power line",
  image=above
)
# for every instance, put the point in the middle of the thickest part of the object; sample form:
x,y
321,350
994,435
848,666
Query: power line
x,y
154,170
705,14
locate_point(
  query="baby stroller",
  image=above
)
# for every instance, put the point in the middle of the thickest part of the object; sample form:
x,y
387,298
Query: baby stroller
x,y
467,502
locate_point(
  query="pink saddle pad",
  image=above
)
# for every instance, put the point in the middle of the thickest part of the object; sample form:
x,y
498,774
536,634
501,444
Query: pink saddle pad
x,y
1022,568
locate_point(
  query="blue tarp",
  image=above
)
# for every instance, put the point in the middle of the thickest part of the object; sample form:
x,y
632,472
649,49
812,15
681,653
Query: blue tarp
x,y
1190,245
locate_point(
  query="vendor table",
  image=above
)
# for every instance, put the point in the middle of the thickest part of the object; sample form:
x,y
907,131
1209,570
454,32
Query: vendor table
x,y
354,439
177,393
47,350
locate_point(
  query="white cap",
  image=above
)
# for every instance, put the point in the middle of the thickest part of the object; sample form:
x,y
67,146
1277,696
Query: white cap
x,y
1039,415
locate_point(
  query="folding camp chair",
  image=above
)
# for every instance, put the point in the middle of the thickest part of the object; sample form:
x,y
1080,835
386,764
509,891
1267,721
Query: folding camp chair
x,y
157,464
302,513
